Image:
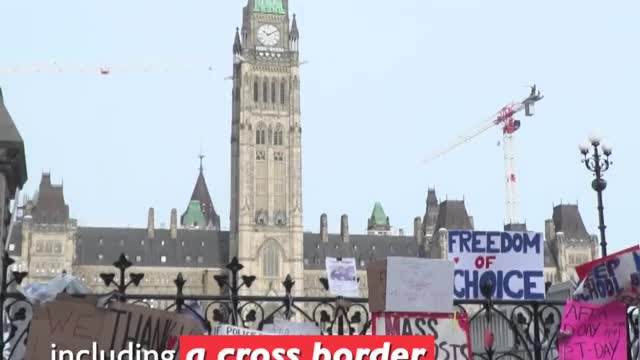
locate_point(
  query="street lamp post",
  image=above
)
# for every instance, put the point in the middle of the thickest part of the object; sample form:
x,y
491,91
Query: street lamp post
x,y
598,163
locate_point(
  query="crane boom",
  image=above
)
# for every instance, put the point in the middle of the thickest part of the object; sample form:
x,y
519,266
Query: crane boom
x,y
462,139
497,119
505,119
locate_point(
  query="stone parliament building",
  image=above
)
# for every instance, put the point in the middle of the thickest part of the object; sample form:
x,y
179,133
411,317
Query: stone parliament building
x,y
266,229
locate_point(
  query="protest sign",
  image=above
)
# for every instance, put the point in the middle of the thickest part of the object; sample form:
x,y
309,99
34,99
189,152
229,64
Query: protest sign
x,y
400,284
75,325
584,269
593,332
342,277
512,262
615,278
228,330
452,336
292,328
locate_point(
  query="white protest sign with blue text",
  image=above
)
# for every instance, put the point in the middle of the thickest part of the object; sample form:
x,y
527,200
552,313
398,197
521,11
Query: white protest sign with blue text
x,y
513,262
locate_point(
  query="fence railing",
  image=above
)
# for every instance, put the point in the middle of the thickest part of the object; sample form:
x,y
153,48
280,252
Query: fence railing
x,y
522,330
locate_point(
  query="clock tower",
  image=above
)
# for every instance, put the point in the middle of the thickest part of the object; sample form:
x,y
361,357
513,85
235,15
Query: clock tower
x,y
266,193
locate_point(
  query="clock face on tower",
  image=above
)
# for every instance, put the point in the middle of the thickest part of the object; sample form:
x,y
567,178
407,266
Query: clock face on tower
x,y
268,35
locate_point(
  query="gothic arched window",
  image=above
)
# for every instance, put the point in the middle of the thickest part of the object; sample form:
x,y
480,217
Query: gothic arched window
x,y
271,260
265,90
260,135
256,96
277,137
283,91
273,91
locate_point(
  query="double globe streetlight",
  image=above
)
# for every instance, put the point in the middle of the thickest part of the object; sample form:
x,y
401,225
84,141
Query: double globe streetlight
x,y
598,162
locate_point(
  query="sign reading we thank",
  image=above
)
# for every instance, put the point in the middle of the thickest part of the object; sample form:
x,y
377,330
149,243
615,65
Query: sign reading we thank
x,y
512,262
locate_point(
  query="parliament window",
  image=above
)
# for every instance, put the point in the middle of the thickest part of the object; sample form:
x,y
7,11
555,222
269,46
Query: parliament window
x,y
278,156
273,91
260,135
163,259
200,259
271,260
99,256
277,138
260,155
138,258
256,95
265,90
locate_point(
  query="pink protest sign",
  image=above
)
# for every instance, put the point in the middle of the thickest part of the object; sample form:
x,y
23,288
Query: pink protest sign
x,y
593,332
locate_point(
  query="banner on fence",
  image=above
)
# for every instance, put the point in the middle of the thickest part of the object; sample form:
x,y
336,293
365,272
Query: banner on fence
x,y
228,330
292,328
78,325
400,284
342,276
513,262
614,278
451,332
593,332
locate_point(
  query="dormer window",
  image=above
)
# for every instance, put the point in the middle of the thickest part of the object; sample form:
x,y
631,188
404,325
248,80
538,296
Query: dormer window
x,y
100,241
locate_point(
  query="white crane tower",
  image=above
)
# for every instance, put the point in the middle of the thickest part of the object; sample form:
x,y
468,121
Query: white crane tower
x,y
505,118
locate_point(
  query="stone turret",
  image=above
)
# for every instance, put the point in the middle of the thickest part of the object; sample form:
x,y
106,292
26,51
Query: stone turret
x,y
151,233
324,228
173,227
344,228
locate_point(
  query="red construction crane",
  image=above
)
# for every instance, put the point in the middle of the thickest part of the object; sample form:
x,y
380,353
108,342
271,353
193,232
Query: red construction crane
x,y
505,118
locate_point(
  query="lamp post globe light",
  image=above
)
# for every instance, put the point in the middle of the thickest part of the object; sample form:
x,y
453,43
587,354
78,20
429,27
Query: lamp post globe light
x,y
596,159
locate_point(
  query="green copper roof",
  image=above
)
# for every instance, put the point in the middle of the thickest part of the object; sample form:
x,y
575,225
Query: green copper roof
x,y
378,217
194,215
270,6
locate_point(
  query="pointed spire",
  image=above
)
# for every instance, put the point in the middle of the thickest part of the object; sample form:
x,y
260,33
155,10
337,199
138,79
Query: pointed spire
x,y
237,44
200,210
295,34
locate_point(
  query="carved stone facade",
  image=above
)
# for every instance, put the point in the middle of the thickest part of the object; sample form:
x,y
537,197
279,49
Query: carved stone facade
x,y
266,222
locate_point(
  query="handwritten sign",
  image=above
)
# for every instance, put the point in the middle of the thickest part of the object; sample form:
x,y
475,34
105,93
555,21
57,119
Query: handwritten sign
x,y
228,330
593,332
452,337
584,269
614,278
78,324
512,262
342,277
292,328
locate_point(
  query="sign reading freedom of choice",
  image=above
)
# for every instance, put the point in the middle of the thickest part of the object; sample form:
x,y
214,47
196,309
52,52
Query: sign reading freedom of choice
x,y
513,262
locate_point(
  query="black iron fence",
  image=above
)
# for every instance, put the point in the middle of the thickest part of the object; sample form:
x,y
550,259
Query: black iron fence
x,y
499,329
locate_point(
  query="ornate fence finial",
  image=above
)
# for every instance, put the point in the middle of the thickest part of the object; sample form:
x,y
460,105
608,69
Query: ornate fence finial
x,y
122,264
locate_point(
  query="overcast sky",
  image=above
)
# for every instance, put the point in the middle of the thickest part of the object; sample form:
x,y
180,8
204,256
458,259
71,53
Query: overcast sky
x,y
387,83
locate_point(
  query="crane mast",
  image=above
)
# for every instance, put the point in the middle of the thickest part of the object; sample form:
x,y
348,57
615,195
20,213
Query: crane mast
x,y
504,118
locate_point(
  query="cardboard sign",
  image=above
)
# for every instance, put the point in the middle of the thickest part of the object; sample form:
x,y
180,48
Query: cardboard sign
x,y
452,336
342,277
400,284
76,324
593,332
228,330
292,328
615,278
513,262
